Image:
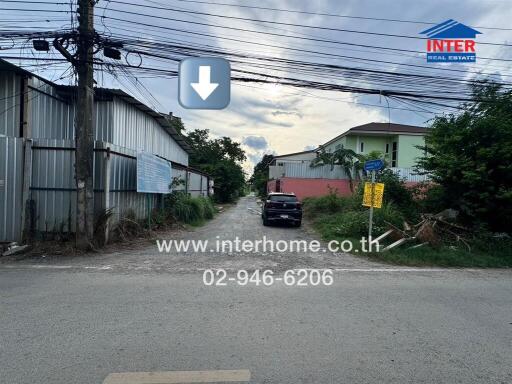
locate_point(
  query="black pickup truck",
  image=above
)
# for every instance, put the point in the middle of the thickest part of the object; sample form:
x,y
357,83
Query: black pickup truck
x,y
282,207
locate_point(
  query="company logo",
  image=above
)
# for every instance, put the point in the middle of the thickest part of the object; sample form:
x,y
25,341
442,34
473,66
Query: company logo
x,y
451,42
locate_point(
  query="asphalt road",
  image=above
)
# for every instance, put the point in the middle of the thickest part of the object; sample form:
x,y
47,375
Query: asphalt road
x,y
77,320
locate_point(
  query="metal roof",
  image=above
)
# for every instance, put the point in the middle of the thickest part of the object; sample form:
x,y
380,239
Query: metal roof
x,y
381,129
106,93
295,153
162,119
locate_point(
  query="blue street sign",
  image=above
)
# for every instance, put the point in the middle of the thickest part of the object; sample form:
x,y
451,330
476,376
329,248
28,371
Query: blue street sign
x,y
204,83
373,165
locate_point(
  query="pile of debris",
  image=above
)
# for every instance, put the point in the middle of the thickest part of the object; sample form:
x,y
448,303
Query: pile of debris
x,y
15,249
434,230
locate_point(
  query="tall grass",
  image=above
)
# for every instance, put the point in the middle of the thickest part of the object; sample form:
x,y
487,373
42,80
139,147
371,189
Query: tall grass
x,y
190,210
343,217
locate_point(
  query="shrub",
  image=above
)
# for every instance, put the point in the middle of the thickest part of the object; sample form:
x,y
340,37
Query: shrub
x,y
397,193
187,209
331,203
352,223
208,208
470,155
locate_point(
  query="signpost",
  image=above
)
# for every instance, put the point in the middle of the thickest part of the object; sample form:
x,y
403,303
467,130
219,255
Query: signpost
x,y
373,165
378,191
370,190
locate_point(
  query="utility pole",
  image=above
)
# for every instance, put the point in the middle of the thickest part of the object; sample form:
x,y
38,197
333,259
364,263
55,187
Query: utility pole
x,y
84,134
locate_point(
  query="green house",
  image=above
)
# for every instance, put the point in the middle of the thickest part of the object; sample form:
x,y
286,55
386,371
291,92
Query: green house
x,y
397,141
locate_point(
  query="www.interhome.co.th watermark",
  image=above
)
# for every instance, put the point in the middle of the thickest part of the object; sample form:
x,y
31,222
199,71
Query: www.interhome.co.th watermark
x,y
264,245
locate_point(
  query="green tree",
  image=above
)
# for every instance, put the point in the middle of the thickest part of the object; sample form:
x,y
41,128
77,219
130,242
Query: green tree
x,y
259,176
345,158
176,123
469,156
221,159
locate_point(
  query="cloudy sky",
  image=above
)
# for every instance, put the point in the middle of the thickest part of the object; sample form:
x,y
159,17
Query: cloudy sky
x,y
278,119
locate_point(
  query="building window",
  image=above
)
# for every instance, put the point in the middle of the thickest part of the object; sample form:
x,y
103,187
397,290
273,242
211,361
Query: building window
x,y
361,147
394,154
387,147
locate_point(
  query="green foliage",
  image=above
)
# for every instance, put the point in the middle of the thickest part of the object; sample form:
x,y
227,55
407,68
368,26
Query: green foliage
x,y
176,123
470,157
187,209
331,203
345,158
259,176
373,155
430,197
397,193
344,216
497,256
355,223
221,159
210,151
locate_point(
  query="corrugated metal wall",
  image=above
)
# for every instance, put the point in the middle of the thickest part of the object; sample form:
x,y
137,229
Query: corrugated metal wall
x,y
11,179
53,187
303,170
123,197
51,117
194,184
179,174
54,191
138,131
118,125
409,175
10,101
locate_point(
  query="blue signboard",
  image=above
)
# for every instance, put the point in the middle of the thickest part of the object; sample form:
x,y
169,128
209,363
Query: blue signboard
x,y
154,175
373,165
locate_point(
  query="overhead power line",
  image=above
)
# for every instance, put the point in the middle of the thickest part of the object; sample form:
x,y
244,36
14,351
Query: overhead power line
x,y
258,43
327,14
274,22
301,38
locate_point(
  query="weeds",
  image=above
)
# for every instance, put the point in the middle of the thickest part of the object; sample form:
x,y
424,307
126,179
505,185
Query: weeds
x,y
344,218
190,210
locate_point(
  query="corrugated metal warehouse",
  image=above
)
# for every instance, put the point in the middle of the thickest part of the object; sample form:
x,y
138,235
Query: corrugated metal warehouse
x,y
37,152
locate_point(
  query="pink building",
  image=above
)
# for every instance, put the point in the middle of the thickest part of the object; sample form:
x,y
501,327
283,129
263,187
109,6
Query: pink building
x,y
293,173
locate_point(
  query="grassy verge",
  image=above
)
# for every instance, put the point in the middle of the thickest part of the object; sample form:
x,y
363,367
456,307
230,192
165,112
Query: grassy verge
x,y
343,218
446,257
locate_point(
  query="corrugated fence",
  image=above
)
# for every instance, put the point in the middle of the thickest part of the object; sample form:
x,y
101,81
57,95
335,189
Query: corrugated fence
x,y
11,164
53,189
304,170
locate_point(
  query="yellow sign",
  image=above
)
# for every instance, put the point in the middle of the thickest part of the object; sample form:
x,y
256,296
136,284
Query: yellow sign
x,y
377,195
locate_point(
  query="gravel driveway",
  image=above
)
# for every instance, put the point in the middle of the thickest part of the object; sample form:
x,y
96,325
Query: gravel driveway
x,y
243,221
